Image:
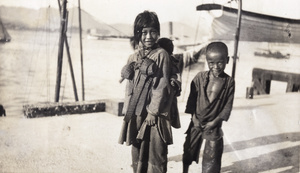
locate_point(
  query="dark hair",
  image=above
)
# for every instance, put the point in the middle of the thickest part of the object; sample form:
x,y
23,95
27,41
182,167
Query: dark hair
x,y
166,44
217,46
142,20
133,44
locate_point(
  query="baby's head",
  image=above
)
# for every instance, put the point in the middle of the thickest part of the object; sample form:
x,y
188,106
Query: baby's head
x,y
217,57
166,44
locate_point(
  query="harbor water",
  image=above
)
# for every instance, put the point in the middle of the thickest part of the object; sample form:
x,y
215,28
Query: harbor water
x,y
28,66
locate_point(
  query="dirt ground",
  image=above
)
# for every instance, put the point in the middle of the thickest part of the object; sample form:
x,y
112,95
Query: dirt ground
x,y
262,135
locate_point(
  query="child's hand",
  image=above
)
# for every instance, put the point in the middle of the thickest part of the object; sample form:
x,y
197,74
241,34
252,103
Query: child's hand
x,y
150,120
212,124
209,126
173,83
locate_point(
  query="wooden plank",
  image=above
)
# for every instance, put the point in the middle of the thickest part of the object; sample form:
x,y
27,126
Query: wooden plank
x,y
262,80
258,88
276,75
53,109
114,106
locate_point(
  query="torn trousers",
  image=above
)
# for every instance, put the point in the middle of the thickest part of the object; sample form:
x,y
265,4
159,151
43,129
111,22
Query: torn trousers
x,y
212,155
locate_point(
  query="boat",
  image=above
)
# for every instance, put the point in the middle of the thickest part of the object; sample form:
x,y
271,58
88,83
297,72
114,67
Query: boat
x,y
94,34
95,37
271,54
255,26
4,35
107,37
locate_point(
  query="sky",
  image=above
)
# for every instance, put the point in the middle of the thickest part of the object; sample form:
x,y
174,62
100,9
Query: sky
x,y
125,11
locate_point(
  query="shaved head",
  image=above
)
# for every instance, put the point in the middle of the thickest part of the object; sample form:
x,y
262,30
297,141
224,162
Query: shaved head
x,y
217,57
217,48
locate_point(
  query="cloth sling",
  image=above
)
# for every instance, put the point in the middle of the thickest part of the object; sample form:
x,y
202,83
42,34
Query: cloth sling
x,y
146,68
140,93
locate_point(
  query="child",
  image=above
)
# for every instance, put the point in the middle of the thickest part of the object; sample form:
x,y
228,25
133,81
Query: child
x,y
167,44
210,103
147,122
175,82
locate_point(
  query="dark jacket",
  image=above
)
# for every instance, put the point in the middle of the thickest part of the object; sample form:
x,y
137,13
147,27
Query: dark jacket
x,y
202,110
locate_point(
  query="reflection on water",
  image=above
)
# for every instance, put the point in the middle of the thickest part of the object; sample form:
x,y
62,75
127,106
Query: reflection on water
x,y
28,68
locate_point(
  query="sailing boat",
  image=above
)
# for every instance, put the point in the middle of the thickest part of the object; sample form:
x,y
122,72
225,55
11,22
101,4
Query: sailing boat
x,y
4,35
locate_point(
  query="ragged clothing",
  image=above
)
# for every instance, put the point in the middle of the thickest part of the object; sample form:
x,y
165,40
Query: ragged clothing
x,y
203,110
148,91
212,153
151,95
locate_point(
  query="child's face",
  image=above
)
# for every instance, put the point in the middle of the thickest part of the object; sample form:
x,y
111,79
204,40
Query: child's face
x,y
216,62
149,36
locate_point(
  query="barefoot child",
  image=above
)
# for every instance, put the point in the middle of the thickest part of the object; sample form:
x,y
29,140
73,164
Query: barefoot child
x,y
210,103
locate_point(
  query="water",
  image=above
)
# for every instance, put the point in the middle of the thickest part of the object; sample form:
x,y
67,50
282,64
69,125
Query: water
x,y
28,68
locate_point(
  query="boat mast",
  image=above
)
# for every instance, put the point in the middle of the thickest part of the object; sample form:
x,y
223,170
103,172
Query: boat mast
x,y
237,37
63,39
81,54
71,66
60,50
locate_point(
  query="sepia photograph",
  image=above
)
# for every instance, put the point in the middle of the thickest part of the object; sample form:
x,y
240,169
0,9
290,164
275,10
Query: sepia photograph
x,y
149,86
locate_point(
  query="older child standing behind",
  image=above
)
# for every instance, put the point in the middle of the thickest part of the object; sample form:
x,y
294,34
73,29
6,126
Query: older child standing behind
x,y
210,103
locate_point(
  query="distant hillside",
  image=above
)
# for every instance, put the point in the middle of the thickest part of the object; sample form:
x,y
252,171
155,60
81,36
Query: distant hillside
x,y
48,19
124,28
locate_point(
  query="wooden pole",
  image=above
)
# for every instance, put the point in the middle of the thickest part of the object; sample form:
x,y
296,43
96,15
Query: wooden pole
x,y
59,7
70,62
68,52
60,51
171,30
81,54
69,55
71,70
237,37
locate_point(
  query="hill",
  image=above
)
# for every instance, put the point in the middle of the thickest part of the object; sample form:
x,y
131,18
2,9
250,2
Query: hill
x,y
48,19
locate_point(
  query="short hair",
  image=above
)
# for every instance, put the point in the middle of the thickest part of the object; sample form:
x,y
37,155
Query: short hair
x,y
143,20
166,44
217,47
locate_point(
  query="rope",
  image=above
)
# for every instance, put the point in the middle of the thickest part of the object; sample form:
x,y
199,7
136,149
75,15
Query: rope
x,y
46,82
47,58
28,91
186,82
35,51
196,35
